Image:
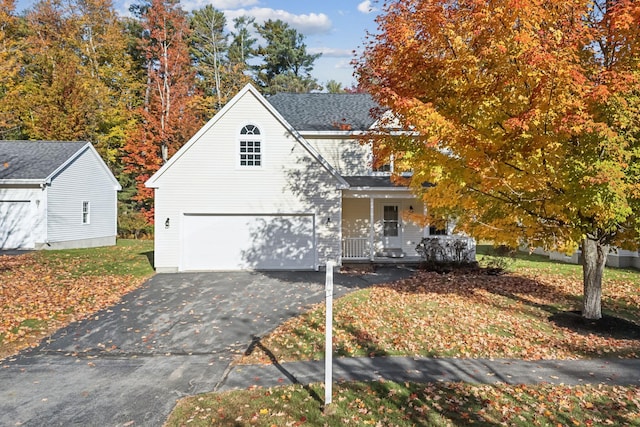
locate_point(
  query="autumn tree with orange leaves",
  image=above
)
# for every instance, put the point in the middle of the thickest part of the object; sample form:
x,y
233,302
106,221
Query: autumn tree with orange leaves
x,y
65,74
528,116
168,117
11,44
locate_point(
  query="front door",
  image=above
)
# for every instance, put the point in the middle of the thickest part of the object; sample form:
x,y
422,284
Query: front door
x,y
391,227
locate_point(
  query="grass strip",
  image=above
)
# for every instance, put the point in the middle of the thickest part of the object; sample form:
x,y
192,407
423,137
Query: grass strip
x,y
386,403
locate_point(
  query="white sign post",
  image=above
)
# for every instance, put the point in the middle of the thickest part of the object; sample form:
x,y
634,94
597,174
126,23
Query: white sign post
x,y
328,344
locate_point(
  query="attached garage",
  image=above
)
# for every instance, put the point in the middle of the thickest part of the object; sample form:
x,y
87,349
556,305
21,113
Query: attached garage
x,y
248,242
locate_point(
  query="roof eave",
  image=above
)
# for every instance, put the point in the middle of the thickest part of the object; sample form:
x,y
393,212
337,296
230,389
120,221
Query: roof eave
x,y
34,182
333,133
369,188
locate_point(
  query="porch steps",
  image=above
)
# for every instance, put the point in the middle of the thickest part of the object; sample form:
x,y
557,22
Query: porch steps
x,y
391,253
410,262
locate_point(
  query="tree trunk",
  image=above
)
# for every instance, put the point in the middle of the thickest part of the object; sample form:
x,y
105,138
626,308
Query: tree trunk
x,y
594,255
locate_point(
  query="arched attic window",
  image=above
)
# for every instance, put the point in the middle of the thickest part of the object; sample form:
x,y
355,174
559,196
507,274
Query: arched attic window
x,y
250,146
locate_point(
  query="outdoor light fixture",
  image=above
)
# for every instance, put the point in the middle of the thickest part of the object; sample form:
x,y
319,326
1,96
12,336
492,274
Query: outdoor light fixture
x,y
166,223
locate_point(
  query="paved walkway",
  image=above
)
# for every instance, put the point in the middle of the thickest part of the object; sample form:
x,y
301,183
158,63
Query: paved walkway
x,y
400,369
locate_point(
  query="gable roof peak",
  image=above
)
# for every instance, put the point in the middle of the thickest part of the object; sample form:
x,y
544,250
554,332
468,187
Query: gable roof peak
x,y
250,88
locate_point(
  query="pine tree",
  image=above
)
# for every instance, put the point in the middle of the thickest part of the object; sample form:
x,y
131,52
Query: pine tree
x,y
286,64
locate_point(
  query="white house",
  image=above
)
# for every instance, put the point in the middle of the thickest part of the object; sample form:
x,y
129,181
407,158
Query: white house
x,y
619,258
281,183
55,195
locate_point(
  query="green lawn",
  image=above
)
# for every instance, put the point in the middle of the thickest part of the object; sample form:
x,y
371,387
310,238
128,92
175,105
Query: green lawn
x,y
519,261
128,257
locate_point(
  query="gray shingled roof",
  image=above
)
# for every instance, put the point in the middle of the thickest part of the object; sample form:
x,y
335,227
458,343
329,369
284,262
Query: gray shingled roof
x,y
370,181
34,159
326,111
380,181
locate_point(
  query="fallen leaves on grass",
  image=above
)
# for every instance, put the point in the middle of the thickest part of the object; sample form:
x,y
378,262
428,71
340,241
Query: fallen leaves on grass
x,y
456,315
407,404
36,297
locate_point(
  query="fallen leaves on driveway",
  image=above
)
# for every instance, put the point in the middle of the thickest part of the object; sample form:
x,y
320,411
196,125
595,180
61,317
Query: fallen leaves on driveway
x,y
37,298
458,315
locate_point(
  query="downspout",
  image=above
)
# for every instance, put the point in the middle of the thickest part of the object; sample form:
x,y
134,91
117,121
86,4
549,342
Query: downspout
x,y
425,228
115,231
44,200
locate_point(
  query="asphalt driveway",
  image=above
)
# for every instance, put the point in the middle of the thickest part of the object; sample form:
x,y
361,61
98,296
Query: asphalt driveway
x,y
173,337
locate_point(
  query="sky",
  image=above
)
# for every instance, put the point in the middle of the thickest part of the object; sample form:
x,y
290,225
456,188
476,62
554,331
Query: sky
x,y
335,28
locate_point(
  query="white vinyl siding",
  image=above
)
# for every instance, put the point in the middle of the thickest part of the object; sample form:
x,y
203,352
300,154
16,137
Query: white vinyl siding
x,y
355,218
348,156
83,180
207,180
412,233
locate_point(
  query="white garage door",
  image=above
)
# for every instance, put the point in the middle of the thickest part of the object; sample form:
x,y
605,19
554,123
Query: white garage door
x,y
248,242
16,224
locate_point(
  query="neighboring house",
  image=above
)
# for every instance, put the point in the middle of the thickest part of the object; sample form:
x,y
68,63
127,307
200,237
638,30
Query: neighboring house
x,y
281,183
55,195
619,258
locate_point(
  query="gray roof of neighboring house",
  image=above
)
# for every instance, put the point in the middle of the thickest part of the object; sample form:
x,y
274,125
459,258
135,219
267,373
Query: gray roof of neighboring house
x,y
35,160
326,111
380,181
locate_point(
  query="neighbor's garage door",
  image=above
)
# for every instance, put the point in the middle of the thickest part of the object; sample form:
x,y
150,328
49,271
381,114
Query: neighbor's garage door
x,y
17,220
248,242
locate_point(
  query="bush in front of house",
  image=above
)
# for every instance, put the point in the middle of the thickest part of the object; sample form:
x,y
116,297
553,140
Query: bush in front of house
x,y
446,253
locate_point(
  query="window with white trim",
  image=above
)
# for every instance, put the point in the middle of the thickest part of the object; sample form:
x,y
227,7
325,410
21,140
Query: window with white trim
x,y
85,212
250,146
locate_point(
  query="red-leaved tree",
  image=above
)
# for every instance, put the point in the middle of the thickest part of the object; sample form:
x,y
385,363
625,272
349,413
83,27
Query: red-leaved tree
x,y
168,117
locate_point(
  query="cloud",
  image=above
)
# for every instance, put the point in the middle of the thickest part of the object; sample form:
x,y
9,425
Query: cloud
x,y
191,5
312,23
344,65
227,4
331,52
366,7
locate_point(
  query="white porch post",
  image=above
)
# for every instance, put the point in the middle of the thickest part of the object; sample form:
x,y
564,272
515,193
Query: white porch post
x,y
425,230
371,229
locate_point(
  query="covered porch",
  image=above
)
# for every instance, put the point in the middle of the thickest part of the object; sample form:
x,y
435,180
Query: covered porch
x,y
379,222
382,223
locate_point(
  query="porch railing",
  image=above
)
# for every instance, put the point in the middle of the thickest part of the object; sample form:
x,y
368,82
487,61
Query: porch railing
x,y
356,248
